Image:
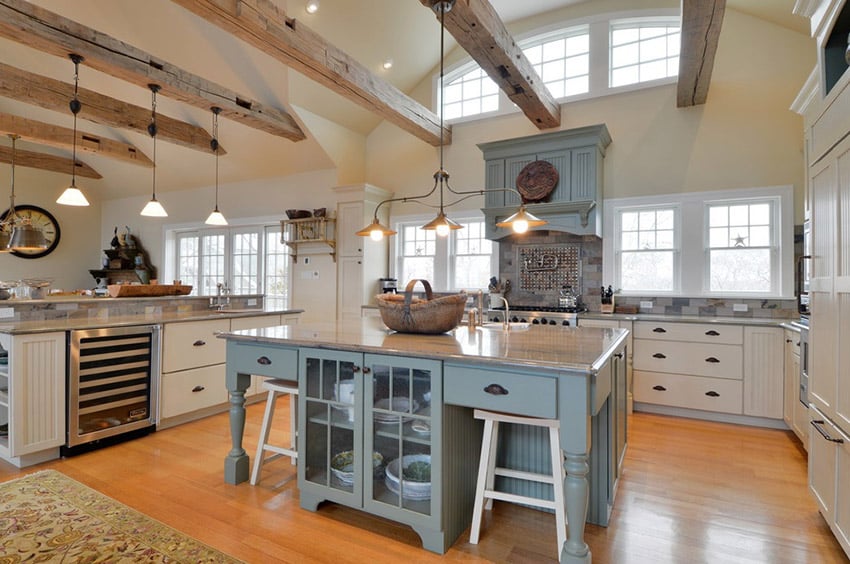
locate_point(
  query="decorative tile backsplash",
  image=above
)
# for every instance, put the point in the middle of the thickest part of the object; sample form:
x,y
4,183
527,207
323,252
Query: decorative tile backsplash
x,y
529,263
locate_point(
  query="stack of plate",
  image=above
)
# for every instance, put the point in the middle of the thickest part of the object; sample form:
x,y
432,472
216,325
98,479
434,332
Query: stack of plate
x,y
342,466
397,404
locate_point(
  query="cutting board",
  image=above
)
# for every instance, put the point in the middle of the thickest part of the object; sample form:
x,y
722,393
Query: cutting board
x,y
146,290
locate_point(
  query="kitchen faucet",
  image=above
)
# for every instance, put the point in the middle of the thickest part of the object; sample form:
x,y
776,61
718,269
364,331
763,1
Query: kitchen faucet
x,y
221,291
507,322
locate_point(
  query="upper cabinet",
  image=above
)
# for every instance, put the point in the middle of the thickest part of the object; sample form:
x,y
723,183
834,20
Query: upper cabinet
x,y
564,166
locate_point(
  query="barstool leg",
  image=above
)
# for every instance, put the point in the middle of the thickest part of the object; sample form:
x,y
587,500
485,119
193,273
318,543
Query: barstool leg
x,y
558,486
481,484
293,424
491,468
264,436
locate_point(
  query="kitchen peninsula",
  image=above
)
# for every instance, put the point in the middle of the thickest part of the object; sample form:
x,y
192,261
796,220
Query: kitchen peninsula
x,y
417,404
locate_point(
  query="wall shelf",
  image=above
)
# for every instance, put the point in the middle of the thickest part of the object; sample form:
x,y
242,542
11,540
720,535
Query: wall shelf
x,y
321,231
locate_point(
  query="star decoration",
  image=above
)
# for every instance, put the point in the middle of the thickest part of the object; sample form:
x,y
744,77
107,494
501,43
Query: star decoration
x,y
739,241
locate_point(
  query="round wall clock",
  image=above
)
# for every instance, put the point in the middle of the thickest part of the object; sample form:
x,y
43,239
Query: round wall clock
x,y
41,219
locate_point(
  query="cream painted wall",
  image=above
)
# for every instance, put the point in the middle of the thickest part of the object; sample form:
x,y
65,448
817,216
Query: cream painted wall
x,y
77,251
745,135
239,201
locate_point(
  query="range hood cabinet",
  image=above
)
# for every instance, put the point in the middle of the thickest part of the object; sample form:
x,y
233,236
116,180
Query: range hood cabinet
x,y
574,206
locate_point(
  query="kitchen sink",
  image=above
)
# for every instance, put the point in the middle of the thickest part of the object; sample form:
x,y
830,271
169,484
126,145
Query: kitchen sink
x,y
512,326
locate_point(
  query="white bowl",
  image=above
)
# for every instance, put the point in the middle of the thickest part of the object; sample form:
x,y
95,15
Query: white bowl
x,y
398,404
412,490
342,466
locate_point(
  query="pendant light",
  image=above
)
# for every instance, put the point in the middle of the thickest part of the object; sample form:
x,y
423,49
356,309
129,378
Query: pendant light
x,y
24,236
72,196
216,217
153,208
520,222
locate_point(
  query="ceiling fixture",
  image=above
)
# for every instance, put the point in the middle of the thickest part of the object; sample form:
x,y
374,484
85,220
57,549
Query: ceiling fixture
x,y
153,208
72,196
18,233
312,6
520,222
216,217
387,64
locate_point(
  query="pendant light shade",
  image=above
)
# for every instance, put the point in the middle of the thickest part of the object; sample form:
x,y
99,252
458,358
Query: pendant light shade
x,y
216,217
24,236
5,238
520,221
73,196
153,208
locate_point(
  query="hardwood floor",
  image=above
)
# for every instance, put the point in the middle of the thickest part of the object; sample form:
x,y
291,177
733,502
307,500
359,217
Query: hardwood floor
x,y
693,491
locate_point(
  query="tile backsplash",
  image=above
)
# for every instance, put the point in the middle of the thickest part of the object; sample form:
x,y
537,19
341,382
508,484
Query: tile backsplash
x,y
539,263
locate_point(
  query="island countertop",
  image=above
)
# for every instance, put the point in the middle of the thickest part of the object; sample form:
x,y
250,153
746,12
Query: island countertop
x,y
543,347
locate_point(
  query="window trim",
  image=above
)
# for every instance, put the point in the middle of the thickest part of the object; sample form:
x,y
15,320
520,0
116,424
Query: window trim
x,y
676,250
443,270
693,243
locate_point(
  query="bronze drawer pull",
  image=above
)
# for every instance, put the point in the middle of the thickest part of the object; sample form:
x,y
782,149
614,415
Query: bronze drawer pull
x,y
199,343
659,355
496,390
659,388
659,330
712,394
712,360
618,355
264,360
712,333
367,370
816,423
198,389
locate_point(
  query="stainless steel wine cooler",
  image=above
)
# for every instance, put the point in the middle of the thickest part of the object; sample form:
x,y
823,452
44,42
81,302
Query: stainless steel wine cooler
x,y
113,375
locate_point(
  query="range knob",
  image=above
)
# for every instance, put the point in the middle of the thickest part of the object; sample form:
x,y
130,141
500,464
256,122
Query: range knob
x,y
565,323
535,321
552,322
544,321
514,319
522,320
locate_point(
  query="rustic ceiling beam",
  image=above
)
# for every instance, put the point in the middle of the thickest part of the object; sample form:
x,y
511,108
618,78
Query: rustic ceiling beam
x,y
701,22
52,94
42,161
62,137
41,29
262,24
478,29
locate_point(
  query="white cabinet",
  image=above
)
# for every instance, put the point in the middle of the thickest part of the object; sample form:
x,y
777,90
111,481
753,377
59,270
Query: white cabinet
x,y
829,475
361,261
32,397
193,366
795,414
715,368
618,324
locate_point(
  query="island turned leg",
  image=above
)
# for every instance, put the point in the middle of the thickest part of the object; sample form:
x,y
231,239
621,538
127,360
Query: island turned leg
x,y
236,465
576,491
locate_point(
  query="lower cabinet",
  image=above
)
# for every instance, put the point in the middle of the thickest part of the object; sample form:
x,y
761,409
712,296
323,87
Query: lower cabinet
x,y
617,324
795,413
191,390
369,439
829,474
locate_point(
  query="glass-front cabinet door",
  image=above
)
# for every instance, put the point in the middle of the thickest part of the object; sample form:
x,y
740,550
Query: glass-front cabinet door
x,y
330,420
402,434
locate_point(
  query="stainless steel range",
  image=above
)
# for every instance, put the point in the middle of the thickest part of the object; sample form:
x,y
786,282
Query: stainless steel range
x,y
566,316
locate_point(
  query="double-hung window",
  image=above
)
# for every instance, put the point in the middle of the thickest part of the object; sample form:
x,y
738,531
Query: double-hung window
x,y
465,260
251,259
647,250
741,253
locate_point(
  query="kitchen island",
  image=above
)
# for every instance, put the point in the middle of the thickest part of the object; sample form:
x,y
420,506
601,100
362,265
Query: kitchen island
x,y
417,406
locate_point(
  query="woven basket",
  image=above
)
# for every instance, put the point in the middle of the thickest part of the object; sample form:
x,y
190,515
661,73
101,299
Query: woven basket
x,y
407,314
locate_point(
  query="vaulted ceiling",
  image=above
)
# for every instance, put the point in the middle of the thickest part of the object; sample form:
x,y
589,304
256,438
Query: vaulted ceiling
x,y
267,108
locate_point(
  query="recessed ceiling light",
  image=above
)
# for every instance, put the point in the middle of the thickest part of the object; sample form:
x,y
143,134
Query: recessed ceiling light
x,y
387,64
312,6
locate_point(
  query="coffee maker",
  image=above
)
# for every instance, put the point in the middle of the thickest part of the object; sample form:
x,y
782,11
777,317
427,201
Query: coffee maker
x,y
389,285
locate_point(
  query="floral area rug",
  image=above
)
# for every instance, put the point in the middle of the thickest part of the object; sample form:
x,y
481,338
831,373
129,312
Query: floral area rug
x,y
48,517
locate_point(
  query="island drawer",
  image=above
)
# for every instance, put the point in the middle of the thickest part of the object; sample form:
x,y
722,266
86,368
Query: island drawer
x,y
498,390
692,392
699,359
690,332
263,360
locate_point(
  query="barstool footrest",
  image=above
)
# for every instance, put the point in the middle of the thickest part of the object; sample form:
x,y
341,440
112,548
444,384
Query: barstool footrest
x,y
522,475
522,499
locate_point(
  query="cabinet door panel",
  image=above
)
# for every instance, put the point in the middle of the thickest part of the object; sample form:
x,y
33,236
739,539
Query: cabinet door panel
x,y
842,495
822,465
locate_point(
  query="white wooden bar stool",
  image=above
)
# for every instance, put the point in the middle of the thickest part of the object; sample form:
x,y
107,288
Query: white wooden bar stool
x,y
275,387
485,492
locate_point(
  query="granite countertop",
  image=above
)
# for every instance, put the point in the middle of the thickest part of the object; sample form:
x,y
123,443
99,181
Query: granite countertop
x,y
154,318
762,321
551,348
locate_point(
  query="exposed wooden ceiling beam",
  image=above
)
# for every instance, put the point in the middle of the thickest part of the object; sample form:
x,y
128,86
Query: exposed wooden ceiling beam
x,y
53,94
478,29
44,30
62,137
701,22
262,24
52,163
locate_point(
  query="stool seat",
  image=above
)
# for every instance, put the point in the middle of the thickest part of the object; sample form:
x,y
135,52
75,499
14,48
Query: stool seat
x,y
276,387
485,491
